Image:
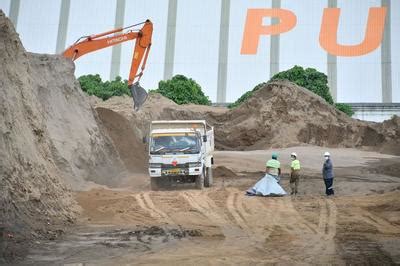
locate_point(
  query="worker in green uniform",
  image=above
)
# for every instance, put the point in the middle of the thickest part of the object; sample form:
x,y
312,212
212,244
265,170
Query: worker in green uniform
x,y
273,167
295,173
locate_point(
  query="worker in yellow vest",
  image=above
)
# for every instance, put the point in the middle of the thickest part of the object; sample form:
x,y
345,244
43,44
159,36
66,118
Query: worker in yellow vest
x,y
273,167
295,173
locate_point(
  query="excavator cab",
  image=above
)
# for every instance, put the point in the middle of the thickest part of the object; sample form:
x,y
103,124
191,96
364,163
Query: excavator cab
x,y
88,44
139,95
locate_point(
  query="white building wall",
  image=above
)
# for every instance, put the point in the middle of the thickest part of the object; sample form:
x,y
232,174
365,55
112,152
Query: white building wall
x,y
245,71
138,11
297,43
5,6
197,33
86,18
37,27
196,44
359,78
395,50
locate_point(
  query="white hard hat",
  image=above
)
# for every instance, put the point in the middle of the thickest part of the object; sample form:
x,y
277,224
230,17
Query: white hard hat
x,y
327,154
293,154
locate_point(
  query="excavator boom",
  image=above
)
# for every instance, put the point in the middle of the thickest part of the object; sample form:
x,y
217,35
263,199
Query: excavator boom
x,y
88,44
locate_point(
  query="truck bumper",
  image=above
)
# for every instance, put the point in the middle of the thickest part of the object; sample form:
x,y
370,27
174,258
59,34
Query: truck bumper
x,y
191,171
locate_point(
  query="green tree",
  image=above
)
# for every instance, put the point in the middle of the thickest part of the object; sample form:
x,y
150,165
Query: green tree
x,y
93,85
246,95
345,108
182,90
309,78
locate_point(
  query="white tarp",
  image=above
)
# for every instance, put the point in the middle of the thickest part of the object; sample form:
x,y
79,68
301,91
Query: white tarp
x,y
267,186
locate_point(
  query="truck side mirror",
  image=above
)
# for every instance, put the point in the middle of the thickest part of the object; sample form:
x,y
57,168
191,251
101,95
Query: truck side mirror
x,y
145,140
205,138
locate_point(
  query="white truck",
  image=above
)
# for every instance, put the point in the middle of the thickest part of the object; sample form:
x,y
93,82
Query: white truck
x,y
180,151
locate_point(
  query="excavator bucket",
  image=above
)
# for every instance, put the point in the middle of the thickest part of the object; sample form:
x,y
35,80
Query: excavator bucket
x,y
139,95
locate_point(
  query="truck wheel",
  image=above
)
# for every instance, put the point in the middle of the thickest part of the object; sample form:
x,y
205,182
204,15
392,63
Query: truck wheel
x,y
154,183
208,181
200,181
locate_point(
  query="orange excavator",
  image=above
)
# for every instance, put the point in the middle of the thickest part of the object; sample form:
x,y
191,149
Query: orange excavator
x,y
88,44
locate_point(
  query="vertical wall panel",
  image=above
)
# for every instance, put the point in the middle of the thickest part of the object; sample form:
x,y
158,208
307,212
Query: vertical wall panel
x,y
139,11
37,26
196,44
395,51
5,6
91,17
300,46
245,71
359,78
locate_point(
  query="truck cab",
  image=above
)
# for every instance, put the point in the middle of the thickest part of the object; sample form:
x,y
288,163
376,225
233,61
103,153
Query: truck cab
x,y
180,151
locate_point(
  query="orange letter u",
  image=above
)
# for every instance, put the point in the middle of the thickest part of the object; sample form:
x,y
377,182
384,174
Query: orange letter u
x,y
373,34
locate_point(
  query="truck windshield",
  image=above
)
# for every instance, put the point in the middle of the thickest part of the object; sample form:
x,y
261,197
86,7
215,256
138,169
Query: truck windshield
x,y
176,143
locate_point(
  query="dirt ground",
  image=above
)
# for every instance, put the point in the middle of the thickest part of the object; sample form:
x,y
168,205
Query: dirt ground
x,y
222,226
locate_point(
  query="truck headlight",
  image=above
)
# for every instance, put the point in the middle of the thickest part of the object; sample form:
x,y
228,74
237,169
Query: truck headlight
x,y
155,165
196,164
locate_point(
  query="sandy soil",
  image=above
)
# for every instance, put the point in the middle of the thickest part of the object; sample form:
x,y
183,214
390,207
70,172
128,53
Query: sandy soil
x,y
220,225
53,140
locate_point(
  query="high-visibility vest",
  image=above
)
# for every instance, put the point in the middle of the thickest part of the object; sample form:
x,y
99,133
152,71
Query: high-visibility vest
x,y
273,164
295,165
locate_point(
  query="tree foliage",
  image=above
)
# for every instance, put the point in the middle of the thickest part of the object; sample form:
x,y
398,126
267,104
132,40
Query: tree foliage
x,y
345,108
246,95
182,90
309,78
93,85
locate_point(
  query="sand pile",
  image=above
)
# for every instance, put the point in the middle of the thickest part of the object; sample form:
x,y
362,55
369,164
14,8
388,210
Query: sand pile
x,y
283,114
50,140
279,115
127,128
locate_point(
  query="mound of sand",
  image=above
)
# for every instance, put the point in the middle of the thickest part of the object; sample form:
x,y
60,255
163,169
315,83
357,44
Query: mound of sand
x,y
283,114
222,171
127,128
279,115
50,140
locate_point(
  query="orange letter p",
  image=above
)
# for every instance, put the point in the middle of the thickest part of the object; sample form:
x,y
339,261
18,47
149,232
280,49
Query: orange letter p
x,y
254,26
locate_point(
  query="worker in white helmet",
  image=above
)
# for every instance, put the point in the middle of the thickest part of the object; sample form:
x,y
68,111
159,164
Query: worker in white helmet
x,y
327,174
295,173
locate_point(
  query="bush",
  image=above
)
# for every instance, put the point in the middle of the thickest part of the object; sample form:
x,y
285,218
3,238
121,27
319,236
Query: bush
x,y
182,90
309,78
93,85
345,108
246,95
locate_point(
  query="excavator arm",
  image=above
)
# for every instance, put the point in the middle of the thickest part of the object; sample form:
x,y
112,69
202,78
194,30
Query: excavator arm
x,y
88,44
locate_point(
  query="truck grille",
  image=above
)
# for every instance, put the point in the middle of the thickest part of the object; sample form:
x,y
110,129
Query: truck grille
x,y
169,166
175,171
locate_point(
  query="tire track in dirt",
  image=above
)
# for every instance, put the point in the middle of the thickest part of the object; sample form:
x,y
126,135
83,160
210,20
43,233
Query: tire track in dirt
x,y
145,202
379,223
250,215
233,234
281,213
203,206
327,219
324,242
302,223
237,211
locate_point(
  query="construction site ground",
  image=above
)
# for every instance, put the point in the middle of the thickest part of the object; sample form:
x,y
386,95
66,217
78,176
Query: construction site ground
x,y
222,226
74,188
